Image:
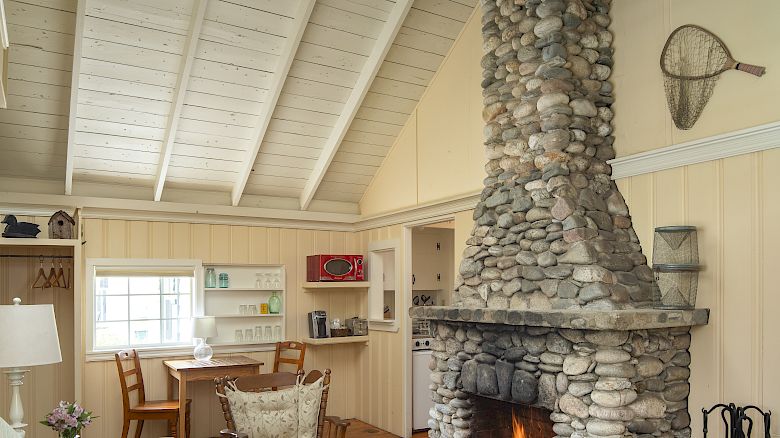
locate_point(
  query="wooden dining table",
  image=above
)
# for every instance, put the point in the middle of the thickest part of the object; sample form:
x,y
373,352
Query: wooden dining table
x,y
191,370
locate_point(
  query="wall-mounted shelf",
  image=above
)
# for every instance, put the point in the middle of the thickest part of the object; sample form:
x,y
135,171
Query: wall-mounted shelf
x,y
225,303
241,344
335,284
334,341
11,241
256,315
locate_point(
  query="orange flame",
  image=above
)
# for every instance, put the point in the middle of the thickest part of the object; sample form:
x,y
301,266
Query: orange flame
x,y
518,431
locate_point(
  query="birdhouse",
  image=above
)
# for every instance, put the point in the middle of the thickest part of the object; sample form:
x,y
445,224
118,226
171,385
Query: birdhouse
x,y
61,226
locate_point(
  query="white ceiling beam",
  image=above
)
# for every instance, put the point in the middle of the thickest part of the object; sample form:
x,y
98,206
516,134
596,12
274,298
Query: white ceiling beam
x,y
351,107
172,124
286,58
81,7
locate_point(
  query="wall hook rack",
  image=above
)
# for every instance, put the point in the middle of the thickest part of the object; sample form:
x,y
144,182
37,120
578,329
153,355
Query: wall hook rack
x,y
734,417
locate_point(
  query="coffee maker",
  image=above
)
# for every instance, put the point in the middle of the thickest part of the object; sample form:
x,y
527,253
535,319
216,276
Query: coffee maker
x,y
318,324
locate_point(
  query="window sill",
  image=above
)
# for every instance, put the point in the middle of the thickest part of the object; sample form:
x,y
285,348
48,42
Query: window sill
x,y
179,352
383,325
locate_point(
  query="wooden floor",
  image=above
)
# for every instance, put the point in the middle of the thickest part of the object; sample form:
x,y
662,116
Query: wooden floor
x,y
359,429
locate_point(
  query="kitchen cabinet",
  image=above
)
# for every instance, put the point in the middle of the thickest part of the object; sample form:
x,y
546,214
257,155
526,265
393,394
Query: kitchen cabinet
x,y
432,259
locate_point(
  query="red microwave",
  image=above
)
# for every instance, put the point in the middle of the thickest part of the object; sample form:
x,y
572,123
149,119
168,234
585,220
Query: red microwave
x,y
328,267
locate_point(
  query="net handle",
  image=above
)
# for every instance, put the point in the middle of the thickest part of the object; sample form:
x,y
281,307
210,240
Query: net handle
x,y
756,70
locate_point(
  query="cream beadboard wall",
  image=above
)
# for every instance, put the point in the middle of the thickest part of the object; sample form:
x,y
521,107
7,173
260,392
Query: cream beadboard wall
x,y
732,201
750,31
354,366
439,153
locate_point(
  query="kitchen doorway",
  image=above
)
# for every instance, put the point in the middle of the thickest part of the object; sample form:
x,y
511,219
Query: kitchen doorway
x,y
432,270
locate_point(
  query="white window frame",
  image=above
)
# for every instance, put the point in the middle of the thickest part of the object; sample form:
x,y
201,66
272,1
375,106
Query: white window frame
x,y
153,351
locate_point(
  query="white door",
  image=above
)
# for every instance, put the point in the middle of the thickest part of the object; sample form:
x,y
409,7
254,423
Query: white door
x,y
421,394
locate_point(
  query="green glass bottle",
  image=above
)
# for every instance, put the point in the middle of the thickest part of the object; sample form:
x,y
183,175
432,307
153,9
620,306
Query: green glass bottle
x,y
274,303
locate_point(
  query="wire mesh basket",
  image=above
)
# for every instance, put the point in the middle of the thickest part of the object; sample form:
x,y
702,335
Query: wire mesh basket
x,y
676,286
677,245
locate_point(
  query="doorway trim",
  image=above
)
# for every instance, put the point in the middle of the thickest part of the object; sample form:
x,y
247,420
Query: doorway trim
x,y
406,301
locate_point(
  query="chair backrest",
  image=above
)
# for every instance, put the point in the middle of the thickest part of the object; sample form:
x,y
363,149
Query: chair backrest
x,y
298,347
134,370
267,382
256,383
310,378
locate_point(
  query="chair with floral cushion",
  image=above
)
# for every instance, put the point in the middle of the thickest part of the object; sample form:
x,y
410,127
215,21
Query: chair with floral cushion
x,y
295,409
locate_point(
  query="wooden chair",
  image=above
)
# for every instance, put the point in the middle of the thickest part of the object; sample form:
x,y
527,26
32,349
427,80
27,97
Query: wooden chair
x,y
327,426
281,347
145,409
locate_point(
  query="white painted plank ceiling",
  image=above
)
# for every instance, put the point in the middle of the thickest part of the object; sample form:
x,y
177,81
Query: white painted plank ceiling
x,y
133,52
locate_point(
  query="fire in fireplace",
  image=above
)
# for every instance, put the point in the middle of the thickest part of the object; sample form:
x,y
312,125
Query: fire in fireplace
x,y
501,419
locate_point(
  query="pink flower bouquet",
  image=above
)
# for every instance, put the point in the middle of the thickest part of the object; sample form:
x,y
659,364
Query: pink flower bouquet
x,y
68,419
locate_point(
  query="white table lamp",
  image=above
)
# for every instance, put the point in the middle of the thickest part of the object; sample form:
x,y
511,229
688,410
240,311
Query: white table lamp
x,y
28,337
204,327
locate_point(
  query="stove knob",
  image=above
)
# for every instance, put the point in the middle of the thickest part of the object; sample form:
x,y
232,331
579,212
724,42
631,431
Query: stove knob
x,y
416,343
427,343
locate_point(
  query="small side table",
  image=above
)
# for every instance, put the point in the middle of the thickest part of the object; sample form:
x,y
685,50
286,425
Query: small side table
x,y
193,370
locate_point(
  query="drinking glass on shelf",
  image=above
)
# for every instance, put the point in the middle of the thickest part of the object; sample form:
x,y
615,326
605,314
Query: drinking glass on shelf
x,y
243,309
259,281
253,309
258,334
277,281
239,336
268,335
268,283
249,335
277,333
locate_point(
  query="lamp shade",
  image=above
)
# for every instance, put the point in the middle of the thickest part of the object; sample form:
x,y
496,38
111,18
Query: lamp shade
x,y
28,335
204,327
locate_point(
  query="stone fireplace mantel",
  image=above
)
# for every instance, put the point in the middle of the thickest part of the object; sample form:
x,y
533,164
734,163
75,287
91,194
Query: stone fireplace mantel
x,y
634,319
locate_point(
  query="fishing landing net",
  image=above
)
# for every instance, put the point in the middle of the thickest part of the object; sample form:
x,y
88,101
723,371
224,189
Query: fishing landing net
x,y
692,61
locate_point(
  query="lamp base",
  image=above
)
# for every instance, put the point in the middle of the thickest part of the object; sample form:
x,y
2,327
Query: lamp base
x,y
203,351
16,412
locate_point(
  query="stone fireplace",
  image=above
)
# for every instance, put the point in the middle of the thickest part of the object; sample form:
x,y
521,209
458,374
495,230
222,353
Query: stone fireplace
x,y
553,304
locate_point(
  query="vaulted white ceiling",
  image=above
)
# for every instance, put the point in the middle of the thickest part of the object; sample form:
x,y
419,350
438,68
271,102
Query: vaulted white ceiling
x,y
263,103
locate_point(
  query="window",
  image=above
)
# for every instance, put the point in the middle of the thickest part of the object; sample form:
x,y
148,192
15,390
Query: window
x,y
141,303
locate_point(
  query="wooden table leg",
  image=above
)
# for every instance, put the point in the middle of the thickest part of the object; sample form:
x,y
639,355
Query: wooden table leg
x,y
182,406
171,382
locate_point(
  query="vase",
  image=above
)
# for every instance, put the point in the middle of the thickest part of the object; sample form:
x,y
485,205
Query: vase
x,y
70,434
274,303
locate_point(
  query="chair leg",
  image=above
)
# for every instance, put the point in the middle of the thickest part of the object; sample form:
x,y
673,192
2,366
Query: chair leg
x,y
172,428
125,427
187,425
139,427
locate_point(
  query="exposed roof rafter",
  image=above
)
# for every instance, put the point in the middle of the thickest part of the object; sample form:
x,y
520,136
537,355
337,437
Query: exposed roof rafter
x,y
351,107
180,90
81,7
286,58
